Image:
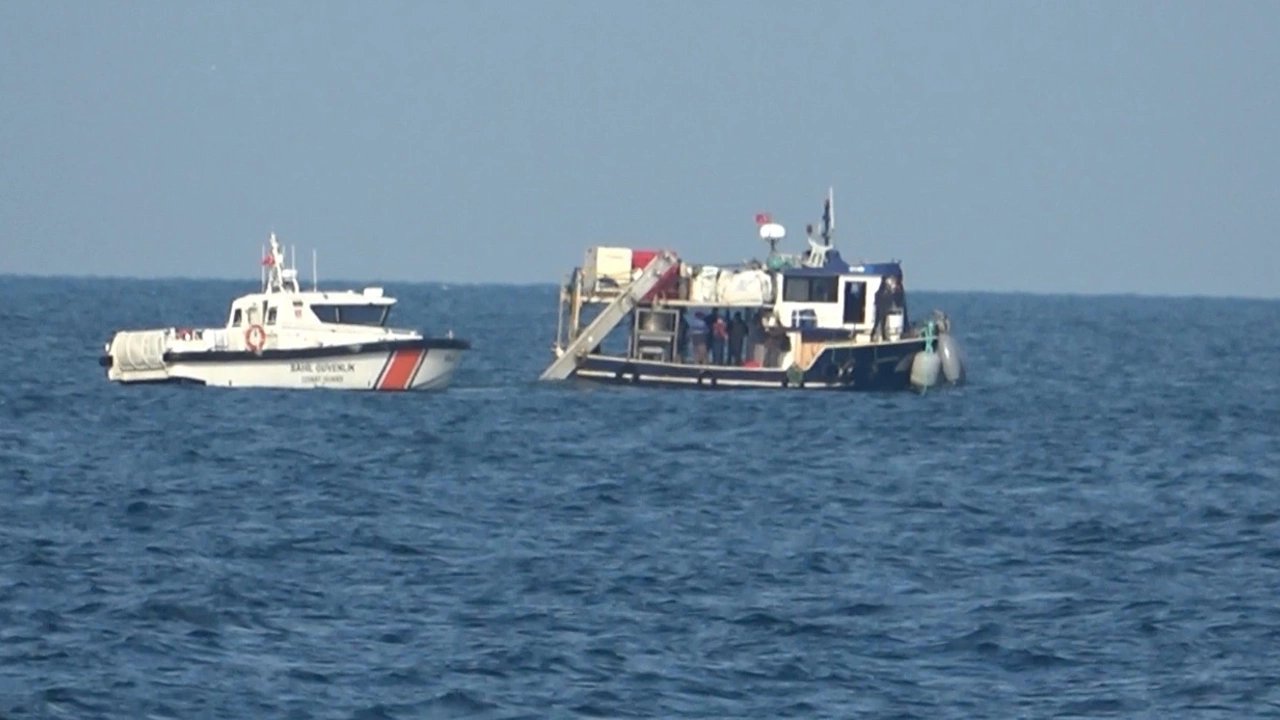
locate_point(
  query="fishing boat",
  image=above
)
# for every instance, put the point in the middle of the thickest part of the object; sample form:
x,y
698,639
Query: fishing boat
x,y
808,320
287,337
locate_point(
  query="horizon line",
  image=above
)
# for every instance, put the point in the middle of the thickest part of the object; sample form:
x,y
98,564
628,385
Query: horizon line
x,y
512,283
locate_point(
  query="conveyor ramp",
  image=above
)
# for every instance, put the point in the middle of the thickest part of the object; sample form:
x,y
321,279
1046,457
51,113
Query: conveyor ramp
x,y
609,318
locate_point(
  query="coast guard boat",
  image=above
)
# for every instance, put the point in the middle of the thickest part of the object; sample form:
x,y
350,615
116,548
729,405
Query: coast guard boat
x,y
285,337
809,320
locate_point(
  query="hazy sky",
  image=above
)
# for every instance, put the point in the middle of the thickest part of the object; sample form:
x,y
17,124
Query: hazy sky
x,y
1038,146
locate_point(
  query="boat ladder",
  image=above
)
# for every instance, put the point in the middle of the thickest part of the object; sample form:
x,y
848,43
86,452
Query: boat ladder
x,y
609,318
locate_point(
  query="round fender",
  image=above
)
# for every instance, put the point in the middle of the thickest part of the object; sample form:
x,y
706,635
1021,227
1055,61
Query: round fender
x,y
795,376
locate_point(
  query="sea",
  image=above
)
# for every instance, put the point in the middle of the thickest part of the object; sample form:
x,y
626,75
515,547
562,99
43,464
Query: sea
x,y
1090,527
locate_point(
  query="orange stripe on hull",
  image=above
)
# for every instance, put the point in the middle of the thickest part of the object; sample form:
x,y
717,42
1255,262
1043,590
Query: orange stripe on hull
x,y
401,370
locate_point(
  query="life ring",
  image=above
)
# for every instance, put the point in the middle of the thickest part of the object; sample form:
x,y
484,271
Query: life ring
x,y
254,338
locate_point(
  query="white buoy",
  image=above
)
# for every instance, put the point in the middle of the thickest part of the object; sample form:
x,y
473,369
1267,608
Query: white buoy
x,y
952,366
924,369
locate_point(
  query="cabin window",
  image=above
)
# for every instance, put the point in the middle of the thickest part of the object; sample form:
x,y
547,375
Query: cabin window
x,y
235,318
795,290
855,302
809,289
351,314
271,315
362,314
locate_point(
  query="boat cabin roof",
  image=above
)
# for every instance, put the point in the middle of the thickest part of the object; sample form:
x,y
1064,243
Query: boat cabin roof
x,y
370,296
836,265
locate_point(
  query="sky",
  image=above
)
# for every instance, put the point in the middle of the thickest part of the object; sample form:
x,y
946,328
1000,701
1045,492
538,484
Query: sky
x,y
1047,147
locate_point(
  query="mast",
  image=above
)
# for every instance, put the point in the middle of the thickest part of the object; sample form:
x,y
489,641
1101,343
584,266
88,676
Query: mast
x,y
829,217
278,279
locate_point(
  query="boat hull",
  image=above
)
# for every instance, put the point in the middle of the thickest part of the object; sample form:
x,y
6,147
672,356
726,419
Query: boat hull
x,y
426,364
865,367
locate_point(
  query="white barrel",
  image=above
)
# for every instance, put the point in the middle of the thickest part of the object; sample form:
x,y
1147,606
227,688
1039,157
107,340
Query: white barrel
x,y
924,369
949,351
138,350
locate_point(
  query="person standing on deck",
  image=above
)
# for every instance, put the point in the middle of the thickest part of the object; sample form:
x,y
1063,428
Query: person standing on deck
x,y
900,299
698,337
884,300
682,338
756,337
719,333
737,334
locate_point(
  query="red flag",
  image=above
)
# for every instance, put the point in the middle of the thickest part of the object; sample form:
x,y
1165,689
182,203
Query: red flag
x,y
763,219
269,260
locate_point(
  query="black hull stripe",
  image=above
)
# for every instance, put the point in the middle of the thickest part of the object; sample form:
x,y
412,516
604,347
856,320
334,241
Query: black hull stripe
x,y
319,352
777,381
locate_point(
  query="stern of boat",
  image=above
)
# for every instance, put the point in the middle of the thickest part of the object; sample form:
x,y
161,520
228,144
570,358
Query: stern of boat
x,y
136,356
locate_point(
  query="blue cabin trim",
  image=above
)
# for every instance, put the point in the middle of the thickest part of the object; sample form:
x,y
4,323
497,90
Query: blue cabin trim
x,y
836,265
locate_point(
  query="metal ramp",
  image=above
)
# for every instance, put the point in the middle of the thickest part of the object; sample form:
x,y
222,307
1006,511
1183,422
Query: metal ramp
x,y
609,318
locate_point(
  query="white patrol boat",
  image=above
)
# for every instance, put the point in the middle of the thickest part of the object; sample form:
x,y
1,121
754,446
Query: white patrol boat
x,y
285,337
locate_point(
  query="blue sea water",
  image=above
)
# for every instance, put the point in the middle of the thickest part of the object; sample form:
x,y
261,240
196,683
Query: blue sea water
x,y
1089,528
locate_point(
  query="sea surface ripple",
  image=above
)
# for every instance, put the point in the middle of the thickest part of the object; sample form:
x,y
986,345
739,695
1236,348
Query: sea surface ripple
x,y
1089,528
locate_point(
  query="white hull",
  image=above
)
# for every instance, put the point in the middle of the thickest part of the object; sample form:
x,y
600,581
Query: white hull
x,y
411,368
285,337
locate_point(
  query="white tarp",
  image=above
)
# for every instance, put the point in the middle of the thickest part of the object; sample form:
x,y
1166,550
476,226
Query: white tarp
x,y
745,287
703,287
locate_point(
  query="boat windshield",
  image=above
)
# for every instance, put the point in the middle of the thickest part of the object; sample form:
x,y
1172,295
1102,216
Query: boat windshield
x,y
352,314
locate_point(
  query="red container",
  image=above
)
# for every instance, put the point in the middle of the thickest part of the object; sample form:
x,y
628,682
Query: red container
x,y
640,259
668,286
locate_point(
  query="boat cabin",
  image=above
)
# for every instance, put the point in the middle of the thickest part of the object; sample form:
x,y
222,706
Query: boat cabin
x,y
282,302
838,297
311,309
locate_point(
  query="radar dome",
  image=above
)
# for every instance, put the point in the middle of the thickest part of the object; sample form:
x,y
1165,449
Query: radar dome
x,y
772,231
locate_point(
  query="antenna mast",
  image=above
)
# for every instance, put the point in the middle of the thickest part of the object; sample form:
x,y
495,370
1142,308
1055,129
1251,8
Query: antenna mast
x,y
771,232
829,216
